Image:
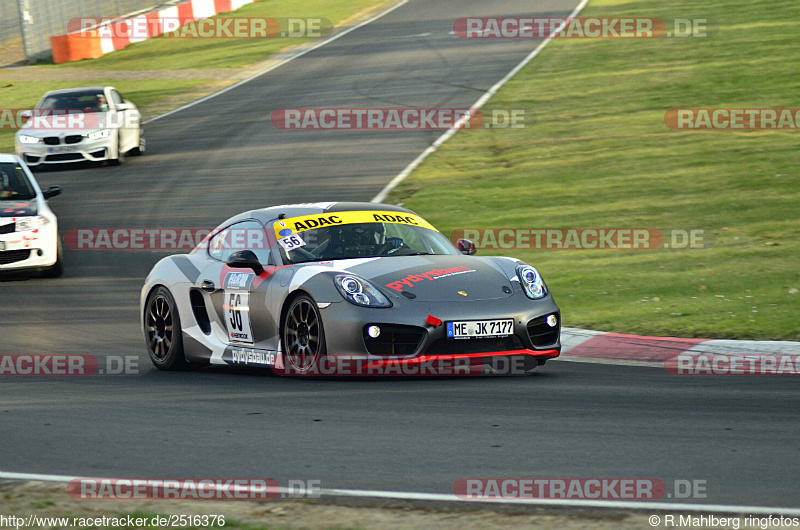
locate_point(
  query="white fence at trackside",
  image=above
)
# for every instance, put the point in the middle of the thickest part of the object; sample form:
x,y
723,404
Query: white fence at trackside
x,y
9,22
380,197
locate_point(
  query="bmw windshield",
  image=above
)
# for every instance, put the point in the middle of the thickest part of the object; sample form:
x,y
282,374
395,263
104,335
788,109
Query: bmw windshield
x,y
347,235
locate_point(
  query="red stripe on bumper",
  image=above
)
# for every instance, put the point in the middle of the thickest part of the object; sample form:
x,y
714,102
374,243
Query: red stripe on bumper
x,y
428,358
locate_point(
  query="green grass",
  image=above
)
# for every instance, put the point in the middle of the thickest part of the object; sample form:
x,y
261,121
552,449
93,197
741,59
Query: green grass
x,y
598,154
177,53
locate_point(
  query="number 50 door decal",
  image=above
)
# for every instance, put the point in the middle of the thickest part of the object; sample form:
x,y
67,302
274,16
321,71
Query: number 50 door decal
x,y
237,316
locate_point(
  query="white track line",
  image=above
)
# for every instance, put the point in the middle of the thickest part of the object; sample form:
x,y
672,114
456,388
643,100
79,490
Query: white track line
x,y
380,197
279,64
447,497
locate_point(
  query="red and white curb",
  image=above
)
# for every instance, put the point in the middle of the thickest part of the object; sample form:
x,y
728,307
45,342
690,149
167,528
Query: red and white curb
x,y
583,345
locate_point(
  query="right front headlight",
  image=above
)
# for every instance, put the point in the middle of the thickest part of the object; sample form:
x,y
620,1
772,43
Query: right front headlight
x,y
360,292
28,140
30,223
97,135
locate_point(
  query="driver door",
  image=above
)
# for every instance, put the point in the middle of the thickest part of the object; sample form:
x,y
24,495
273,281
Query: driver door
x,y
240,315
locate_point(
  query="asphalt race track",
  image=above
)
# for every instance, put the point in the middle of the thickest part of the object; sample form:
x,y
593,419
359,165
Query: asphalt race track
x,y
223,156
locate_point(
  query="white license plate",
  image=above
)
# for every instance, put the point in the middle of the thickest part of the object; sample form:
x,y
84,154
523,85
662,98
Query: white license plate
x,y
63,149
470,329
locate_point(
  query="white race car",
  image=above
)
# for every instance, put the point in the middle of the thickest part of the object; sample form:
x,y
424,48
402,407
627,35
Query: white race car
x,y
28,229
80,124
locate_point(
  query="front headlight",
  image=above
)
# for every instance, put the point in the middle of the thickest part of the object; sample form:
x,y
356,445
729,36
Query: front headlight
x,y
531,282
29,140
360,292
30,223
97,135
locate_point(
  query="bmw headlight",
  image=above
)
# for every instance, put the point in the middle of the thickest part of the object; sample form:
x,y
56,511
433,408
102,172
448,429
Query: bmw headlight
x,y
531,282
98,135
360,292
30,223
29,140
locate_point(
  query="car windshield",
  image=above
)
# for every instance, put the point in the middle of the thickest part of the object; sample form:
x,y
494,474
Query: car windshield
x,y
88,101
14,183
340,239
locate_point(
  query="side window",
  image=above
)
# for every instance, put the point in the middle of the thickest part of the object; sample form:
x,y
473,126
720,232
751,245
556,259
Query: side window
x,y
116,98
246,235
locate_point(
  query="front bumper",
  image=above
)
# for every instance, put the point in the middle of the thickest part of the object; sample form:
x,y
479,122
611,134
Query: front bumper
x,y
31,249
85,150
350,353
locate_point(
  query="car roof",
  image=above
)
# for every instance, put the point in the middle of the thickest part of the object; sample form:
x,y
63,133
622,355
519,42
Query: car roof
x,y
77,89
295,210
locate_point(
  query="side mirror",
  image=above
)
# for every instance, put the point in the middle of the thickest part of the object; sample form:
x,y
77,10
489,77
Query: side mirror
x,y
245,259
51,192
465,246
121,107
26,115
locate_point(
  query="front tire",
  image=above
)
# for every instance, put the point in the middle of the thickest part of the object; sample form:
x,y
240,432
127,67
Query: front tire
x,y
162,330
303,337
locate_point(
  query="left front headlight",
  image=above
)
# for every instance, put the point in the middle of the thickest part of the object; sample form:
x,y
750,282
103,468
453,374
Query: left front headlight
x,y
29,140
30,223
531,282
360,292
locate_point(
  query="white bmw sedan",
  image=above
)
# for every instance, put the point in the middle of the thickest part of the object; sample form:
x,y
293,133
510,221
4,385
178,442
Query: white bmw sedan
x,y
80,124
28,228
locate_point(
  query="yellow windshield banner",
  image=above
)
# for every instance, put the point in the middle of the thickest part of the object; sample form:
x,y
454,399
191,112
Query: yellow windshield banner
x,y
294,225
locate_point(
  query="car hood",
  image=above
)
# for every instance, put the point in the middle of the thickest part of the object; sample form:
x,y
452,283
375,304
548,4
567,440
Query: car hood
x,y
437,278
14,208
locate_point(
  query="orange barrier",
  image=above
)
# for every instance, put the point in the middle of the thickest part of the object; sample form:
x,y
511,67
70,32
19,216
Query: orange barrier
x,y
93,43
76,46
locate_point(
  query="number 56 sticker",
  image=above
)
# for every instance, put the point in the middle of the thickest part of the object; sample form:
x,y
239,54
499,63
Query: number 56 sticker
x,y
237,316
292,242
